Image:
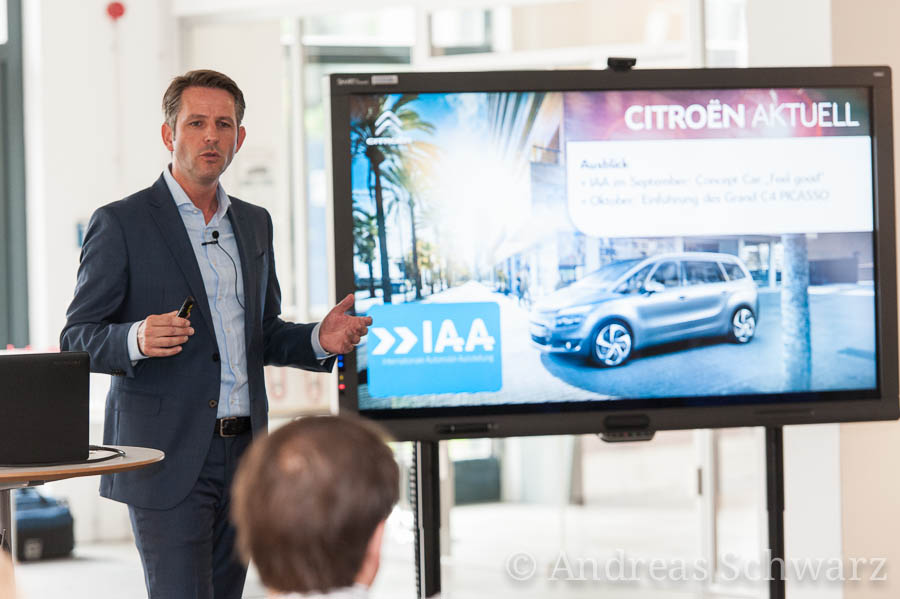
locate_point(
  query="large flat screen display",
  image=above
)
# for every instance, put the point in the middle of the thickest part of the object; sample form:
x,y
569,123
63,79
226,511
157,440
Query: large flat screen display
x,y
583,252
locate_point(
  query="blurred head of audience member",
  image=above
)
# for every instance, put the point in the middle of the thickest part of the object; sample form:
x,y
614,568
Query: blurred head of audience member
x,y
310,502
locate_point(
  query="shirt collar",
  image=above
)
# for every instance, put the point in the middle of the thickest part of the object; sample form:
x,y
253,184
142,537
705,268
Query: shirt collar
x,y
357,591
181,197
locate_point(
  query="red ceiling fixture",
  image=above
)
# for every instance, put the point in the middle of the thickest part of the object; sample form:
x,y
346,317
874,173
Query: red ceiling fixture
x,y
115,10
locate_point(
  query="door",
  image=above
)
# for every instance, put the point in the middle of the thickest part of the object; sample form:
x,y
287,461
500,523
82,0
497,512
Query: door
x,y
705,296
660,311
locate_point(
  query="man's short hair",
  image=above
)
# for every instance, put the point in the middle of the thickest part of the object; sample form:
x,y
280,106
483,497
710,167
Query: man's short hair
x,y
308,498
171,103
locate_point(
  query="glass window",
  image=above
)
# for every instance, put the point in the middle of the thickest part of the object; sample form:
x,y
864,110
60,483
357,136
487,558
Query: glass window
x,y
571,498
635,282
726,33
397,569
4,32
700,272
733,271
469,449
667,275
545,25
460,31
317,181
393,26
353,42
605,276
740,497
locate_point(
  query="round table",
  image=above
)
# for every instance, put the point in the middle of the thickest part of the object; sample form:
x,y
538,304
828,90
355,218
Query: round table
x,y
15,477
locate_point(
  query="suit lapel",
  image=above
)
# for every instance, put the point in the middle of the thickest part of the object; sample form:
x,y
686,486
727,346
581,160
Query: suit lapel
x,y
171,226
247,251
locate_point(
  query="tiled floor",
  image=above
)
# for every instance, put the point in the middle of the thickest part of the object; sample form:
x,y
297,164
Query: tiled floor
x,y
483,539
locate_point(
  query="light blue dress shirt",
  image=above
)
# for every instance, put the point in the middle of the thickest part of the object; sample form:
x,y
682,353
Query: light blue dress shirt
x,y
225,290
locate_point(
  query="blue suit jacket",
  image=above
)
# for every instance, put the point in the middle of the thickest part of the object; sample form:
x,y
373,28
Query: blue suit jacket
x,y
137,260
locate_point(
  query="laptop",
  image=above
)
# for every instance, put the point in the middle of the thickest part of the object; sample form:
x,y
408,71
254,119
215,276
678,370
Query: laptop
x,y
44,404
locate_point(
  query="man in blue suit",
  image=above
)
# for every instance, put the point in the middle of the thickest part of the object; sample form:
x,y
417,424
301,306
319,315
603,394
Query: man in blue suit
x,y
192,387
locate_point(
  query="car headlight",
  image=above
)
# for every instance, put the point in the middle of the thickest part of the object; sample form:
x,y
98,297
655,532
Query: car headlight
x,y
572,316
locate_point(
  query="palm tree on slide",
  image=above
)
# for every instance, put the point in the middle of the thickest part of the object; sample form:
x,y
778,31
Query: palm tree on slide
x,y
404,177
365,233
368,123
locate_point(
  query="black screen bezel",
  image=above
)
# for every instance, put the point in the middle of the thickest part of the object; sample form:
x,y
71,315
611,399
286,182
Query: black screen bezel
x,y
665,413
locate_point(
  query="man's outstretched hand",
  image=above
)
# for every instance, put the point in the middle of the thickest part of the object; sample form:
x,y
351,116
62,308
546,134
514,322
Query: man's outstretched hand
x,y
340,332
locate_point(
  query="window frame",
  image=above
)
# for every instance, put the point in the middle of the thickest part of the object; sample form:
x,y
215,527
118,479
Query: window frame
x,y
678,265
709,264
13,241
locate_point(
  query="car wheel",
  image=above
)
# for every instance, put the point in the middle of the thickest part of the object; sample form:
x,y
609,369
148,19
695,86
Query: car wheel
x,y
743,325
612,344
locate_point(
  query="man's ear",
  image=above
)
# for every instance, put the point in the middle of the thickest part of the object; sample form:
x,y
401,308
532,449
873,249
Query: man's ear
x,y
168,137
242,133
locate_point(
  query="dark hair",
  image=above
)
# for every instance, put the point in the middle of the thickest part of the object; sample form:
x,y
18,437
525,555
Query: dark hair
x,y
307,499
171,103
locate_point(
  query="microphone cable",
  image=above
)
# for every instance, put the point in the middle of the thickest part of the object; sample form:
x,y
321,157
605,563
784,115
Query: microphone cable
x,y
215,241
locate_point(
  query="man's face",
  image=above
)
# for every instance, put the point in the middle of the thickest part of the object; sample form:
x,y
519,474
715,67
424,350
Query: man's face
x,y
206,135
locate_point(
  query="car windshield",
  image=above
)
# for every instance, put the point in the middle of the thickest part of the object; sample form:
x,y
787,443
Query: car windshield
x,y
606,276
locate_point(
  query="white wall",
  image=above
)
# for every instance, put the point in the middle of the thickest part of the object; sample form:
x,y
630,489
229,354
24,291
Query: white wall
x,y
252,54
870,452
93,91
858,33
798,33
787,34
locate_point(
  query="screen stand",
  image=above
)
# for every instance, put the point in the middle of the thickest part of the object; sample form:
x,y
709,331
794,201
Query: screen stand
x,y
775,507
424,497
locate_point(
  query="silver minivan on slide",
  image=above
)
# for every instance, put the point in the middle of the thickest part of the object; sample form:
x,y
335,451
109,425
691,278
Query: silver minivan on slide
x,y
631,304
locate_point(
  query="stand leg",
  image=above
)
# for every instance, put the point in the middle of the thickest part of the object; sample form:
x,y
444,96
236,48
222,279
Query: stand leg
x,y
775,506
425,498
6,521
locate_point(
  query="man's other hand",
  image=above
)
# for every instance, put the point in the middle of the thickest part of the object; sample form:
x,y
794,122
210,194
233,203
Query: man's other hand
x,y
161,335
339,332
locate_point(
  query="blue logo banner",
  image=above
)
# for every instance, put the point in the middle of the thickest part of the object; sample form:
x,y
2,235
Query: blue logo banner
x,y
420,349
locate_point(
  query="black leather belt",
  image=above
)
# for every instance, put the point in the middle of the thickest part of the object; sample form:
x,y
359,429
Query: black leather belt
x,y
232,426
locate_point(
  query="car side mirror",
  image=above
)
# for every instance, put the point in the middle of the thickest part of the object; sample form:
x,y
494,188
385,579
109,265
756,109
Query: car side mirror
x,y
652,287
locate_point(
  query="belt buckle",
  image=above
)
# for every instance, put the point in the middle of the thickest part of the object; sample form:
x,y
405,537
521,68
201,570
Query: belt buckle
x,y
222,422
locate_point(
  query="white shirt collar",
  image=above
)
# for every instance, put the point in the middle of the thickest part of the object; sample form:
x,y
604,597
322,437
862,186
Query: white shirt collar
x,y
357,591
181,197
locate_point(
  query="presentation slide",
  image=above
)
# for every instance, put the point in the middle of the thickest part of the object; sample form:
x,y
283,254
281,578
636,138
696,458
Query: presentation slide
x,y
530,247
